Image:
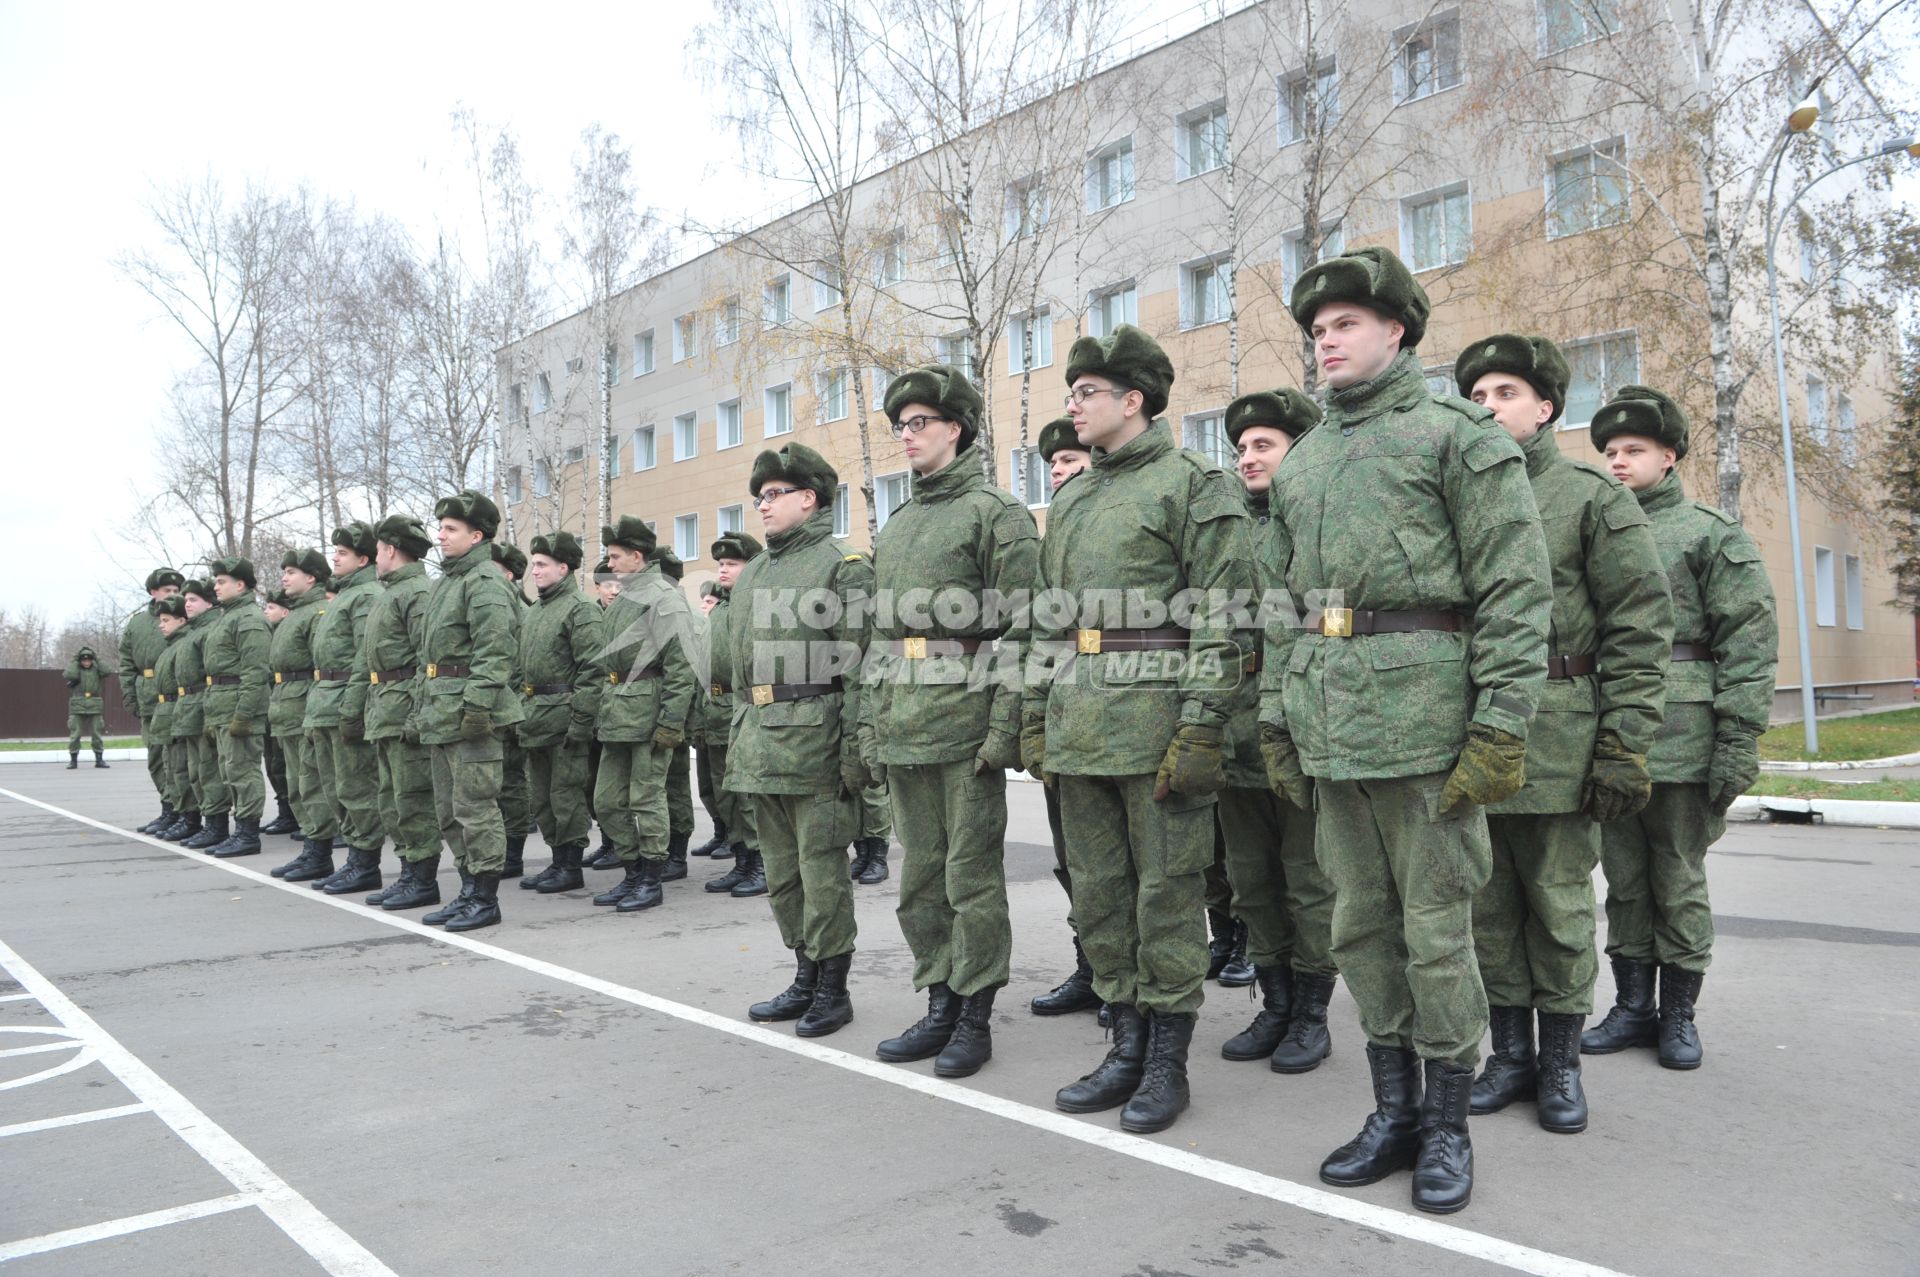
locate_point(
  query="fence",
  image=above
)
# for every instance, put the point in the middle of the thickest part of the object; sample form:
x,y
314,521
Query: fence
x,y
33,703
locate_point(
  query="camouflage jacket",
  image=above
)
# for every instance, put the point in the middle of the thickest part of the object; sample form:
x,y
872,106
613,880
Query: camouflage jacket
x,y
647,633
140,646
1610,602
561,645
336,647
190,715
1141,528
713,717
472,624
1245,770
390,636
785,626
86,689
236,646
946,567
1401,501
165,679
1722,600
291,653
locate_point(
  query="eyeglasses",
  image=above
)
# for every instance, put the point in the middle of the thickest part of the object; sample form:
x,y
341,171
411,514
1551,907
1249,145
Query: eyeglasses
x,y
770,495
1080,394
914,425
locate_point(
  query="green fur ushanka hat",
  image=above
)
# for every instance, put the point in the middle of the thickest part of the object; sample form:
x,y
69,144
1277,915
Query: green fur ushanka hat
x,y
561,547
1534,360
357,536
1642,410
1127,357
310,561
471,508
798,465
939,386
1058,435
236,566
1285,409
1372,277
406,534
201,587
159,578
511,557
735,545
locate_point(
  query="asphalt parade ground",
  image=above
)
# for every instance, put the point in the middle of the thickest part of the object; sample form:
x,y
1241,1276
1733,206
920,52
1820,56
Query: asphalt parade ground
x,y
203,1071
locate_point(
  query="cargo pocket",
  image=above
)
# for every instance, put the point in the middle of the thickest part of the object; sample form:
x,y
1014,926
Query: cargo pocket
x,y
1186,833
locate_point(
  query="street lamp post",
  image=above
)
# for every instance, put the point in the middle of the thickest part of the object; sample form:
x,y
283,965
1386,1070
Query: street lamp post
x,y
1777,217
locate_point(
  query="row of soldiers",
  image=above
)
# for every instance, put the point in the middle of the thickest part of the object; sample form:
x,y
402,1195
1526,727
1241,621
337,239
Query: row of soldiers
x,y
1435,673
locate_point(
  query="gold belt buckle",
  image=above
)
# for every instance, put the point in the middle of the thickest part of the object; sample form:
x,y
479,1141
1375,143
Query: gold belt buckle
x,y
526,689
373,676
763,693
613,676
1337,622
209,679
179,691
277,678
716,690
433,671
914,648
1086,642
146,673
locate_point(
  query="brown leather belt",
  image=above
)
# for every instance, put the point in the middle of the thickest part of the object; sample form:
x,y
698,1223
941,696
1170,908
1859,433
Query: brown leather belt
x,y
768,693
398,674
191,691
1253,662
918,647
1570,666
449,671
333,676
1692,652
293,676
1094,642
1347,622
546,689
223,680
637,676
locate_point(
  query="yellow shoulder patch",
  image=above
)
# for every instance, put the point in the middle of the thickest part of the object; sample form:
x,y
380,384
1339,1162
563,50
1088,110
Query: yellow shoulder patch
x,y
854,558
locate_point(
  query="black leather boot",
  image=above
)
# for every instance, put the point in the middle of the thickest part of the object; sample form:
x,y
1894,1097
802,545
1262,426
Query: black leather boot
x,y
876,870
566,867
1162,1095
452,908
606,856
213,831
1443,1175
282,822
1115,1079
482,908
832,1008
859,865
715,845
160,822
1679,1040
675,867
621,890
971,1045
245,840
516,863
417,887
314,861
1509,1073
793,1001
755,883
1632,1020
1307,1041
1390,1140
646,893
928,1035
360,873
1563,1101
184,826
1220,947
73,760
1075,993
1258,1040
1238,973
742,864
99,760
532,883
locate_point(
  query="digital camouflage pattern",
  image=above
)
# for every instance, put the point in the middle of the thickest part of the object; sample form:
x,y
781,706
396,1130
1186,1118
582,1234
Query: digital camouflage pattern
x,y
172,779
141,644
561,644
237,645
714,722
392,631
646,629
86,700
291,657
336,711
200,759
1533,921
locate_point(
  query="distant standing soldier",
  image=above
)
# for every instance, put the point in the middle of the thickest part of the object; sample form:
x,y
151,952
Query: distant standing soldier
x,y
236,655
390,663
1719,692
86,705
336,713
170,618
140,686
748,877
275,607
516,804
304,576
197,826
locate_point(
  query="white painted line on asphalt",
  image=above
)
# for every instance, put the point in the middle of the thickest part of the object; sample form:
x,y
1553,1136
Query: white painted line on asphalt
x,y
72,1119
1450,1237
17,997
297,1217
121,1227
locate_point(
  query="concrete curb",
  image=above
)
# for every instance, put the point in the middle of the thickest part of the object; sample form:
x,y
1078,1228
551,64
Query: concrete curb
x,y
137,753
1857,764
1831,811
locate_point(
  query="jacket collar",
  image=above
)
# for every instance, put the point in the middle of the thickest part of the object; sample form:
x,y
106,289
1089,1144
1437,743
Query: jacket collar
x,y
1149,445
405,572
1400,385
1663,494
818,526
962,474
1542,451
353,580
466,562
317,594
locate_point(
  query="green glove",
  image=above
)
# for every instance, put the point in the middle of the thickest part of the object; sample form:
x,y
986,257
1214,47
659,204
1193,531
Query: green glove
x,y
1194,764
1734,767
1492,768
997,753
476,726
668,738
353,730
240,725
1618,785
1284,775
579,731
855,776
409,732
209,732
1033,747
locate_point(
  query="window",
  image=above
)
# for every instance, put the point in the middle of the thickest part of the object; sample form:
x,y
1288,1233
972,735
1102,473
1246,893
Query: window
x,y
1817,410
1333,242
842,517
1565,23
1435,228
513,484
1598,367
726,325
1843,426
730,518
890,492
1440,380
1115,306
826,288
1110,176
1036,328
1809,252
542,392
683,338
686,436
542,479
643,454
881,380
833,395
643,353
1587,190
779,410
1206,434
726,425
890,260
776,302
1028,208
1309,102
576,454
574,365
1429,57
1823,586
1032,477
686,537
957,350
1200,141
516,402
613,460
1205,291
1836,271
1856,594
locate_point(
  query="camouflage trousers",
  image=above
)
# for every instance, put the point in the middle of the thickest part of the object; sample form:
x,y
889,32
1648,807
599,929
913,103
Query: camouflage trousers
x,y
209,782
733,810
1656,867
1533,921
406,798
1139,869
1278,888
1219,892
240,767
172,780
350,779
803,838
516,803
79,725
466,798
158,769
953,876
703,781
306,789
557,777
630,798
274,755
876,812
1404,882
1061,873
680,792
